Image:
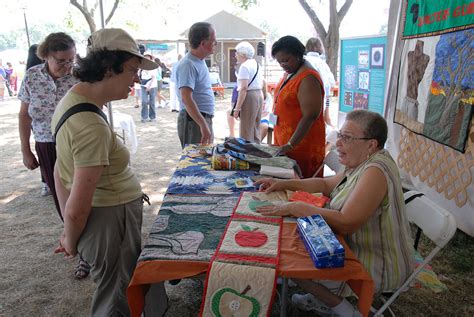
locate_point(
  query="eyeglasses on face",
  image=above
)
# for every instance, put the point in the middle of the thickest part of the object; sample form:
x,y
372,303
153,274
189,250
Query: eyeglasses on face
x,y
133,70
62,62
349,139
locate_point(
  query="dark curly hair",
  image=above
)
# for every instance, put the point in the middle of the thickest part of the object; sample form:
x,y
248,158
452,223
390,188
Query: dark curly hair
x,y
95,65
290,45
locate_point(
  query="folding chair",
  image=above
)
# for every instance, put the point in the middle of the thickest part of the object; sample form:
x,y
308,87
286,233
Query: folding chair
x,y
331,160
435,222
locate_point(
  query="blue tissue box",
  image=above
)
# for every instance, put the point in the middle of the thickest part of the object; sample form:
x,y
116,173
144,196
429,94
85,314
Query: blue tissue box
x,y
320,242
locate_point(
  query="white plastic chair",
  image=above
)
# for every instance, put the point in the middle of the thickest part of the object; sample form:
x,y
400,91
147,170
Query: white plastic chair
x,y
331,160
435,222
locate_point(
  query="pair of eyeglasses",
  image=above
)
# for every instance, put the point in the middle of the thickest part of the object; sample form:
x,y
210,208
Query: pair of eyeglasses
x,y
62,62
133,70
348,139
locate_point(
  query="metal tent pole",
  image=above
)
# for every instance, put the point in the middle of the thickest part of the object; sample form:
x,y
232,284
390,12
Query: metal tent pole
x,y
109,104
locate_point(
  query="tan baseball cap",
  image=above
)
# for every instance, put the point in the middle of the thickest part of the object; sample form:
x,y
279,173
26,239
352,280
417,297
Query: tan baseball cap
x,y
118,40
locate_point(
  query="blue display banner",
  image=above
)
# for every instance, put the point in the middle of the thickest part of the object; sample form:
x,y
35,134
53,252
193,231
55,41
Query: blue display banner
x,y
362,79
156,46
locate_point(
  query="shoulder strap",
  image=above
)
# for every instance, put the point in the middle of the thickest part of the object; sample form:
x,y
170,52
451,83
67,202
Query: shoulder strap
x,y
253,76
81,107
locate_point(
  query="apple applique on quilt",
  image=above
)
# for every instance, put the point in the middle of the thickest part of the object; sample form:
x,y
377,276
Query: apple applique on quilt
x,y
250,237
229,302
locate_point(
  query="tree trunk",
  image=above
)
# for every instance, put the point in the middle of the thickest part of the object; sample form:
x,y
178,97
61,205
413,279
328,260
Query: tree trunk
x,y
89,13
332,52
330,37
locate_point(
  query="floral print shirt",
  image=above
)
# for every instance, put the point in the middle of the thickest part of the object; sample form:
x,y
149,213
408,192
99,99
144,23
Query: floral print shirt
x,y
42,93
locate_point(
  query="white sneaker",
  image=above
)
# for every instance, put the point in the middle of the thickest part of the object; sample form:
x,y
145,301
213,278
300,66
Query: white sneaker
x,y
308,302
290,282
45,190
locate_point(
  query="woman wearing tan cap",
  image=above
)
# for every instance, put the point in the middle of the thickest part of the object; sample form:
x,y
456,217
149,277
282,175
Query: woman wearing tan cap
x,y
100,197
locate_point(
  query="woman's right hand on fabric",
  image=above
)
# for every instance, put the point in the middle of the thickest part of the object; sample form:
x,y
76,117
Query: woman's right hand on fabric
x,y
269,185
29,160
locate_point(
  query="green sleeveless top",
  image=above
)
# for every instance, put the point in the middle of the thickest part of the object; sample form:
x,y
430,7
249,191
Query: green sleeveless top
x,y
383,244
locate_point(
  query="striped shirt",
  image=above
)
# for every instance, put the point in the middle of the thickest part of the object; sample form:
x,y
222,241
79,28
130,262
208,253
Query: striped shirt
x,y
383,244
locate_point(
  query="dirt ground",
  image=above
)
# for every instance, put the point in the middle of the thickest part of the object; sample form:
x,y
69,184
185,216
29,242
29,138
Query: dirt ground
x,y
36,282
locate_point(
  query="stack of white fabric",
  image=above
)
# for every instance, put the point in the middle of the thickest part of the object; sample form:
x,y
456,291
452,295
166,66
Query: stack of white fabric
x,y
279,172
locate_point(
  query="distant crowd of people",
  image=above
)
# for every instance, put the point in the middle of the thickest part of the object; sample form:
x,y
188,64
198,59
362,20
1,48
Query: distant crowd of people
x,y
100,200
8,80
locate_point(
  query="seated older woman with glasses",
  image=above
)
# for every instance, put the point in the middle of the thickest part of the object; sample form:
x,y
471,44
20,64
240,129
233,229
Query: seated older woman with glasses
x,y
366,206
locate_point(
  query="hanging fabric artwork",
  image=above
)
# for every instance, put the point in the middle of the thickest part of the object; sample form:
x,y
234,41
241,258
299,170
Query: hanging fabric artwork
x,y
436,87
433,17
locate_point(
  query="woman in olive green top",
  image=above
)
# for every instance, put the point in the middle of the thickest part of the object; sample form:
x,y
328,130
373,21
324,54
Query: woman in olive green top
x,y
366,206
99,195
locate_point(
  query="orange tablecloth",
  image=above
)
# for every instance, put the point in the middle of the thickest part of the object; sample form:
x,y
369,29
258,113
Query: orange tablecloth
x,y
294,263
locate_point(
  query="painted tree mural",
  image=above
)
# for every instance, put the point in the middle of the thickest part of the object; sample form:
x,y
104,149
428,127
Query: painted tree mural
x,y
451,95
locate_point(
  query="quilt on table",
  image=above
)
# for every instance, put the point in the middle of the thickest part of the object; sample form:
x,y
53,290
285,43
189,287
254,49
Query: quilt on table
x,y
257,153
188,227
195,158
196,181
241,279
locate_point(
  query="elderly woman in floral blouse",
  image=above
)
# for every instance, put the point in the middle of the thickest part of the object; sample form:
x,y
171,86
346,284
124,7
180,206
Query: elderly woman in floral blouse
x,y
42,88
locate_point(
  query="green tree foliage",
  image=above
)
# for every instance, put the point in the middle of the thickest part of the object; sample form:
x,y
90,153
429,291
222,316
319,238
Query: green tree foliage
x,y
17,38
8,40
244,4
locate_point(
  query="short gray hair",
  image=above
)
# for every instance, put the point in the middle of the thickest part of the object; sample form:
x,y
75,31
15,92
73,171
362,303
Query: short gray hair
x,y
372,123
246,49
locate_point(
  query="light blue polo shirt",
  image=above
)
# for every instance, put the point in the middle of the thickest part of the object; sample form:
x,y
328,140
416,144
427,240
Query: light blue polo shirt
x,y
192,72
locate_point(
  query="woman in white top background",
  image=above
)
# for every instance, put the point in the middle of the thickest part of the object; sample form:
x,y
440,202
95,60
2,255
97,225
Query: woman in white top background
x,y
250,100
315,55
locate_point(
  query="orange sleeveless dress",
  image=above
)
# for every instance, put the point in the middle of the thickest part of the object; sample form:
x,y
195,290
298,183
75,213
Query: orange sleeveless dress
x,y
309,153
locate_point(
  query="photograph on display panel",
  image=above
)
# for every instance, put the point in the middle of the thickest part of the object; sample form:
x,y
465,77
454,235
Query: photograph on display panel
x,y
376,56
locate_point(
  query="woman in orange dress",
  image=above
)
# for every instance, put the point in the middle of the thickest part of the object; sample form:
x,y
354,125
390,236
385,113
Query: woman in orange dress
x,y
300,129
